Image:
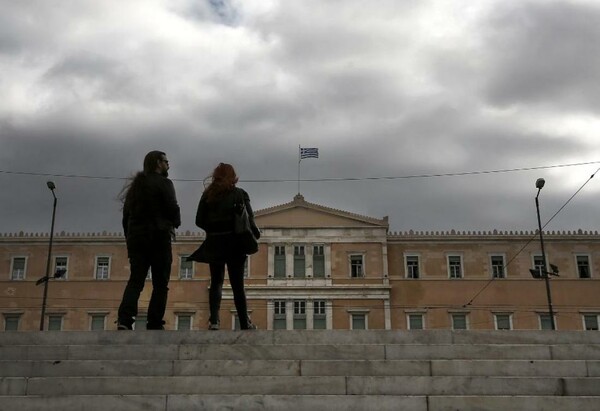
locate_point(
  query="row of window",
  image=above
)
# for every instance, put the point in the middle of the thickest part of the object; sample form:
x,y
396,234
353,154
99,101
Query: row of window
x,y
412,265
97,322
299,315
358,320
299,266
415,321
498,265
186,268
101,267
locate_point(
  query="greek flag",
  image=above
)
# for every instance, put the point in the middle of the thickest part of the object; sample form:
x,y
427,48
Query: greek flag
x,y
309,153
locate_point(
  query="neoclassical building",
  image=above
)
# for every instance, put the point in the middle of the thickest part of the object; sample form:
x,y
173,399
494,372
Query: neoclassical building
x,y
319,268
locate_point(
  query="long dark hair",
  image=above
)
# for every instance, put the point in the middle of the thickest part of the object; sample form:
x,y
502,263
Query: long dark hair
x,y
131,187
223,180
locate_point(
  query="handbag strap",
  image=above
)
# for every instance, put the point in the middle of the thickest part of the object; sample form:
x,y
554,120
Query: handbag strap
x,y
239,200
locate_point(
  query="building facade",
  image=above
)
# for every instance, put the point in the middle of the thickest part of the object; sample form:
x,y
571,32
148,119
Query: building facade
x,y
319,268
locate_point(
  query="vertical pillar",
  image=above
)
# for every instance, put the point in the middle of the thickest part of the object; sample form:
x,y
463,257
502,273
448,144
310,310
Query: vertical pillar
x,y
327,251
329,314
308,256
388,314
270,312
289,314
310,311
270,261
289,260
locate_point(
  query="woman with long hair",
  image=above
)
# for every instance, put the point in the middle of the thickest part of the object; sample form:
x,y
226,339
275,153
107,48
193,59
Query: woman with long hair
x,y
215,216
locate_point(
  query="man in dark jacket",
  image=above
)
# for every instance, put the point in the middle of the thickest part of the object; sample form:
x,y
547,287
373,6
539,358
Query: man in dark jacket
x,y
150,216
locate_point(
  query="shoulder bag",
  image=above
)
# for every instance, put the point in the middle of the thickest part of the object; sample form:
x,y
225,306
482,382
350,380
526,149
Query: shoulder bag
x,y
247,243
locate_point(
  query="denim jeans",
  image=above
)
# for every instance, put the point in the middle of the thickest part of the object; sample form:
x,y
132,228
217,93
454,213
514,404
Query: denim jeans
x,y
154,255
235,268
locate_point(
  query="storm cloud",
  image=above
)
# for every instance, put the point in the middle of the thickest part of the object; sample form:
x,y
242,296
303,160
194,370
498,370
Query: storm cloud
x,y
419,109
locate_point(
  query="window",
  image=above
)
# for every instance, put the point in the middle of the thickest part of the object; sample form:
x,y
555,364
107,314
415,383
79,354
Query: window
x,y
98,322
11,322
497,263
359,321
454,266
299,261
319,315
279,320
318,261
279,269
149,274
102,268
18,268
415,322
545,323
412,266
503,321
140,322
299,315
186,268
590,322
55,322
246,267
184,322
356,266
583,266
459,321
538,264
60,265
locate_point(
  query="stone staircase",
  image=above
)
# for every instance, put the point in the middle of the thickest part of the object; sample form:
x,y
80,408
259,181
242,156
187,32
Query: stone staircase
x,y
426,370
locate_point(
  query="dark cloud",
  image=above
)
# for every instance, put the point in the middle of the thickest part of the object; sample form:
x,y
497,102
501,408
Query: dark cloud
x,y
90,88
545,53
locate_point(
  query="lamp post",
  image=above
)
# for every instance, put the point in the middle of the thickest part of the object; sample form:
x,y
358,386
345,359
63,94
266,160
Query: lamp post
x,y
46,278
539,184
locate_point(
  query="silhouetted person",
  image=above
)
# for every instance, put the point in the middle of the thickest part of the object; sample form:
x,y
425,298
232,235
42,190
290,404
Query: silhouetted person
x,y
215,215
150,216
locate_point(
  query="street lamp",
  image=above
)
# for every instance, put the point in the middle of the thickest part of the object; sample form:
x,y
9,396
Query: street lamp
x,y
539,184
46,278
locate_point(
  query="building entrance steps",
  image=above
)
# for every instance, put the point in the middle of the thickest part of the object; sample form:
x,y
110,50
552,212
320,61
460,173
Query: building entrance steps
x,y
299,370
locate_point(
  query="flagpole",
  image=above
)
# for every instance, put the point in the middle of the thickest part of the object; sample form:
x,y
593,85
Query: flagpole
x,y
299,159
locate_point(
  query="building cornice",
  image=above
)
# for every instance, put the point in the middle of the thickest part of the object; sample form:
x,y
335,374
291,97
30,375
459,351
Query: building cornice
x,y
500,235
393,236
299,202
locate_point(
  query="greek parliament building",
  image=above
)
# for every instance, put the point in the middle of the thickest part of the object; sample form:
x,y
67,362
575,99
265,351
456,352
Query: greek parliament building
x,y
319,268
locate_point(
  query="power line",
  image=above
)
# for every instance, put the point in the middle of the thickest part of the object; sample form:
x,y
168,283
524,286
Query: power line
x,y
404,177
533,237
411,176
31,173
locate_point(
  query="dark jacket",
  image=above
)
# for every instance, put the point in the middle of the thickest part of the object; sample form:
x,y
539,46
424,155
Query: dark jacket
x,y
217,220
150,208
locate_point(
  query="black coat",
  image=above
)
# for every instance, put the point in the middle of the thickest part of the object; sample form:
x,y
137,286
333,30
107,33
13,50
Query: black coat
x,y
150,210
217,220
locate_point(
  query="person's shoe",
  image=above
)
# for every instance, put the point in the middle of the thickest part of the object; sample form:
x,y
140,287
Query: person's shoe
x,y
155,326
123,327
252,327
213,327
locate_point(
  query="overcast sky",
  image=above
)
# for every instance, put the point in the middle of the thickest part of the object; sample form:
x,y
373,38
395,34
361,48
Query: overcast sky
x,y
383,89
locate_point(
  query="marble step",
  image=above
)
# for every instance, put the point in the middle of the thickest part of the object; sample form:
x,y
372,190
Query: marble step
x,y
284,337
302,385
243,351
296,403
106,368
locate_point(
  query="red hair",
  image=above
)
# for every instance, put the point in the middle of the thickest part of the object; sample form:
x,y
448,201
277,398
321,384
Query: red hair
x,y
223,181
